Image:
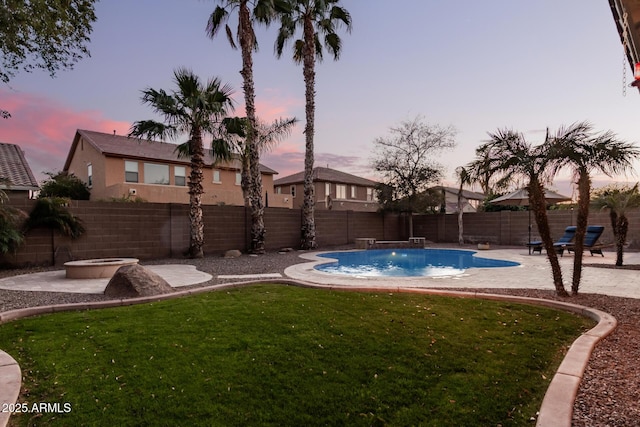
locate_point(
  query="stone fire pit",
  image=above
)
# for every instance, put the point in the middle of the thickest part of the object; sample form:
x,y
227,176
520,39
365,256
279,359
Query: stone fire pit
x,y
103,268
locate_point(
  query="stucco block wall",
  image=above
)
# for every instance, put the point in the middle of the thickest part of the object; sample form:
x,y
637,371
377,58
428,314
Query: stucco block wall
x,y
511,228
157,230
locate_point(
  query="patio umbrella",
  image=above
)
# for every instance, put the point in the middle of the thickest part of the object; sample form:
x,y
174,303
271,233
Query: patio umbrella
x,y
520,197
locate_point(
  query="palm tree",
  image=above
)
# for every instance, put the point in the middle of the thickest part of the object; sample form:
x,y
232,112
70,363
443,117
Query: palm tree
x,y
315,18
195,109
52,213
507,155
618,201
583,151
464,178
263,11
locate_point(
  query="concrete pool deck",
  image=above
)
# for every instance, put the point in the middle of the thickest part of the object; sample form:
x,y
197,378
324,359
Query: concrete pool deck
x,y
534,272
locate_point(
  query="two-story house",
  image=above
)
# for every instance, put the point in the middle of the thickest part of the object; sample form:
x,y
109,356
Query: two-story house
x,y
333,190
116,166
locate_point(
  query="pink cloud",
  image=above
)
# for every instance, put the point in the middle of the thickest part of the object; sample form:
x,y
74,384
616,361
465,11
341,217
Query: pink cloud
x,y
44,128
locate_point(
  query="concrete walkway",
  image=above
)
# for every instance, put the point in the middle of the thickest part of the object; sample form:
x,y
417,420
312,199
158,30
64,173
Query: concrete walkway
x,y
177,275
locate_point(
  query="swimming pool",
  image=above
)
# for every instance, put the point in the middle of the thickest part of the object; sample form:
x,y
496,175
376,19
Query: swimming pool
x,y
407,262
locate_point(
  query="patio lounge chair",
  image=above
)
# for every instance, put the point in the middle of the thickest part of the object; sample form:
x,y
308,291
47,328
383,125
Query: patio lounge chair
x,y
567,237
591,240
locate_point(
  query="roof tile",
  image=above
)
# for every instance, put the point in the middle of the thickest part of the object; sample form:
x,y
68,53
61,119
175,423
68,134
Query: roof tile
x,y
124,146
326,175
14,167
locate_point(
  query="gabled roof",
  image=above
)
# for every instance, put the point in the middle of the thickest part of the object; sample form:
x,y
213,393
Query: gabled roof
x,y
111,145
469,195
326,175
14,167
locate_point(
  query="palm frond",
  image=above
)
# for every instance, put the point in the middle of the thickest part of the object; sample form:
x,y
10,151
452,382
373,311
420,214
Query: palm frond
x,y
340,15
152,130
183,150
219,16
221,150
51,212
298,51
270,135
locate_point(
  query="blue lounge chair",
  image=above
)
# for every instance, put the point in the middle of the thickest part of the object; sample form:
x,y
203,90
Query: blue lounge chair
x,y
559,245
591,240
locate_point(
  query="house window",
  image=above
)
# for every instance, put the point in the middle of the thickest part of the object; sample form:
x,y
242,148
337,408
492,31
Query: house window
x,y
130,171
341,191
180,174
354,193
238,178
371,196
90,174
278,190
327,189
293,191
156,174
216,176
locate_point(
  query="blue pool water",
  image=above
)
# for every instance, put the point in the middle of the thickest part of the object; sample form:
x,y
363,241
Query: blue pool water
x,y
407,262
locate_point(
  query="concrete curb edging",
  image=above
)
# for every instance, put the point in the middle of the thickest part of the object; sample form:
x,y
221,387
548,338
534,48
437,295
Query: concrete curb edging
x,y
557,405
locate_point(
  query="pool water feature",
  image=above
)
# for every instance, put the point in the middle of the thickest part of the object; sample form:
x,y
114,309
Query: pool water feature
x,y
407,262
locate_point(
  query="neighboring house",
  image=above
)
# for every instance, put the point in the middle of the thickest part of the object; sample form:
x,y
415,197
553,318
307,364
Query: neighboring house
x,y
470,199
333,190
17,180
116,166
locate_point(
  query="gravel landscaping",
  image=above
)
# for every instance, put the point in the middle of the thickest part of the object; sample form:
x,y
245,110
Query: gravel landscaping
x,y
609,392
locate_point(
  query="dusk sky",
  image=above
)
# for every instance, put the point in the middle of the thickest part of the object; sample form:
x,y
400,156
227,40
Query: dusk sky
x,y
475,65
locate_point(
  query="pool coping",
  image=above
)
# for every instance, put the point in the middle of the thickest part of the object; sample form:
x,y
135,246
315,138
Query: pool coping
x,y
557,405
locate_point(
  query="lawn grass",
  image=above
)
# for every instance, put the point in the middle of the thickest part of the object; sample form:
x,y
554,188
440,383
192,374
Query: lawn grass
x,y
280,355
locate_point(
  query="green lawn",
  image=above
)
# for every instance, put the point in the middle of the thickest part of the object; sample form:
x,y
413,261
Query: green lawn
x,y
280,355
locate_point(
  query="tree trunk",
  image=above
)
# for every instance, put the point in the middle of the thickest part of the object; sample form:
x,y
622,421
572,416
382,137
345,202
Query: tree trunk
x,y
584,190
247,43
245,178
539,207
308,240
460,223
196,223
620,229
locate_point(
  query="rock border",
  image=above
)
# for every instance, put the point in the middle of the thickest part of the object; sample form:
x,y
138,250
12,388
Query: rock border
x,y
557,404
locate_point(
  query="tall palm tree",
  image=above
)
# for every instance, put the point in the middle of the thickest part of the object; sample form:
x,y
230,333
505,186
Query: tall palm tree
x,y
582,150
618,201
315,18
509,156
196,109
263,11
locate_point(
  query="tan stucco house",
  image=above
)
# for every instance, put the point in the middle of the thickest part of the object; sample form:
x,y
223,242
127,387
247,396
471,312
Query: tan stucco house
x,y
333,190
116,166
16,179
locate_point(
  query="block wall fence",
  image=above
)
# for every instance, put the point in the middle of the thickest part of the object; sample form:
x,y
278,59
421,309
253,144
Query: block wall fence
x,y
156,230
